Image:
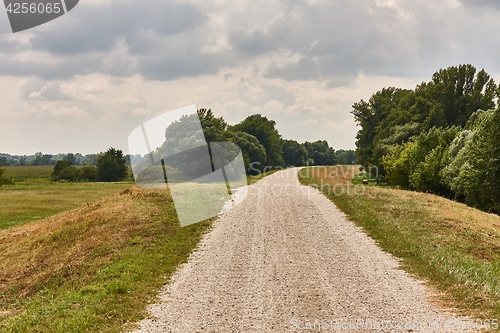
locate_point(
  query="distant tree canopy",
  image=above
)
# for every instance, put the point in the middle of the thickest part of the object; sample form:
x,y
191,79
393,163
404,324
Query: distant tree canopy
x,y
261,143
442,137
320,153
265,131
111,166
294,153
346,157
258,138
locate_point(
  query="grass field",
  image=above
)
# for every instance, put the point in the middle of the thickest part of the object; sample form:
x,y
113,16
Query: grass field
x,y
452,246
34,173
32,196
31,202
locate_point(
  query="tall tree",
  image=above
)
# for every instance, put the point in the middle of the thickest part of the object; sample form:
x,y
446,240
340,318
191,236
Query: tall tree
x,y
461,91
254,153
111,166
294,153
267,134
320,152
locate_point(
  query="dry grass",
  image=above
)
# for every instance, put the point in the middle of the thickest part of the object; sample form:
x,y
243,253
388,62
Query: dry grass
x,y
454,247
93,268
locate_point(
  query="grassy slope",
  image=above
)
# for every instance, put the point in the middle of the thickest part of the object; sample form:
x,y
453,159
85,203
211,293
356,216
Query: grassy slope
x,y
92,269
454,247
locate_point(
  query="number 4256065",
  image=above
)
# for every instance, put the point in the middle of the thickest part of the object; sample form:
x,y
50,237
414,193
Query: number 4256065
x,y
33,8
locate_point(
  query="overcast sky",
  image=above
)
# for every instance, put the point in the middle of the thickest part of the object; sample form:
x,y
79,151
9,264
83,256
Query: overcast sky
x,y
83,82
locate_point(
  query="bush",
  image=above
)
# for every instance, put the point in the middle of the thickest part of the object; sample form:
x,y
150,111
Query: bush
x,y
63,170
89,174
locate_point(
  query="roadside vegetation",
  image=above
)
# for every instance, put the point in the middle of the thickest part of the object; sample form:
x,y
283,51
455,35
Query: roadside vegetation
x,y
93,269
454,247
442,137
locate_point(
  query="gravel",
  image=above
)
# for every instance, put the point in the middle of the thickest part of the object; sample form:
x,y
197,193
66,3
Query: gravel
x,y
284,260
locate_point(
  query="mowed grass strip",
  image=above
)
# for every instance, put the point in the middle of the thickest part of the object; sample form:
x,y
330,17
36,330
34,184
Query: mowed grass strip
x,y
454,247
93,269
22,203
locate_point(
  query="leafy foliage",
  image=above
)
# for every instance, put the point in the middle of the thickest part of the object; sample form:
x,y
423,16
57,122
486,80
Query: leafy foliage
x,y
267,134
64,170
320,152
111,166
254,153
437,138
294,154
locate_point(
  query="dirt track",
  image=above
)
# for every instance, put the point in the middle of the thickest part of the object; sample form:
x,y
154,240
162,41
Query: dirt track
x,y
283,259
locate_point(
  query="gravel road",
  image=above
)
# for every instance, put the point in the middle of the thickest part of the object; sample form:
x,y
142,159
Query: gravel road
x,y
287,260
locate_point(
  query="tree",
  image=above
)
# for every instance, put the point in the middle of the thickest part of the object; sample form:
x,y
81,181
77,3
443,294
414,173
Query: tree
x,y
417,164
461,92
58,168
213,128
111,166
267,134
346,157
476,166
294,154
254,153
70,157
42,159
4,161
320,152
88,174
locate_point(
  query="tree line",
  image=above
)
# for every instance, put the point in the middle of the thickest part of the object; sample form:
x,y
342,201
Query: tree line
x,y
111,166
261,144
441,137
47,159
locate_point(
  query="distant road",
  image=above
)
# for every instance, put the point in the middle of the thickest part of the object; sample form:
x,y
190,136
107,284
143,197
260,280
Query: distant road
x,y
284,259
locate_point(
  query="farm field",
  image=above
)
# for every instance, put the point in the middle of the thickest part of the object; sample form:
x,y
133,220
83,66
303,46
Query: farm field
x,y
452,246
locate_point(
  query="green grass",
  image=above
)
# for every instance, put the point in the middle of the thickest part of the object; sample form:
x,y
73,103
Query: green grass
x,y
454,247
30,202
93,269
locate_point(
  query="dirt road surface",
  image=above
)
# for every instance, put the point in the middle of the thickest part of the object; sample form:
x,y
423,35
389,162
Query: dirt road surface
x,y
287,260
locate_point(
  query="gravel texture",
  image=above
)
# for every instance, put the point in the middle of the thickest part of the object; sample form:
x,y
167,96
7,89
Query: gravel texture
x,y
284,260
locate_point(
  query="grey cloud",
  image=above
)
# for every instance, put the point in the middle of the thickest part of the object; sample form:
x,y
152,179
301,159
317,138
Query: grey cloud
x,y
304,69
481,3
178,66
95,28
343,38
165,40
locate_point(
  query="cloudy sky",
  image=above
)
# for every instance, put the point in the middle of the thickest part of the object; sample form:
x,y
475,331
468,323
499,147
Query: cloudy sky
x,y
83,82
